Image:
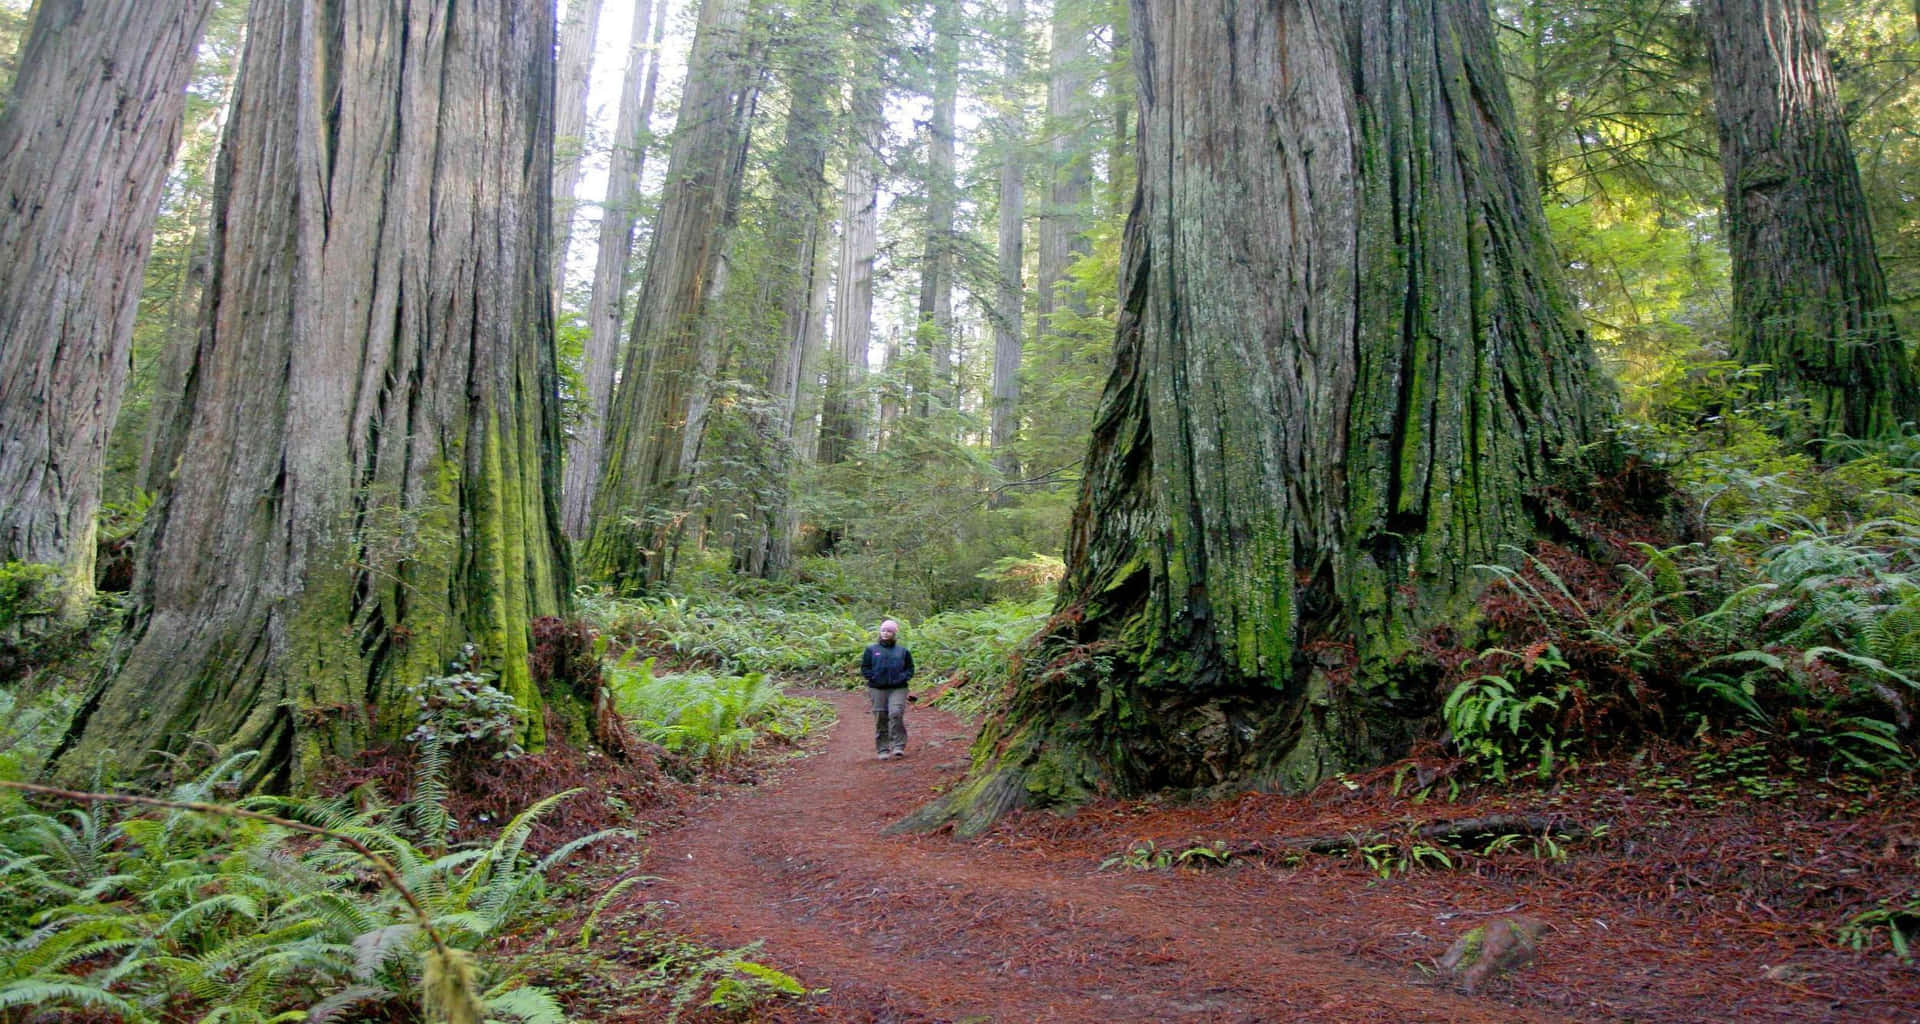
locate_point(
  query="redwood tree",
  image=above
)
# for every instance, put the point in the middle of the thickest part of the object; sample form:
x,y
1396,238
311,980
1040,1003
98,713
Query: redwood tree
x,y
85,141
364,462
1809,298
1343,373
653,429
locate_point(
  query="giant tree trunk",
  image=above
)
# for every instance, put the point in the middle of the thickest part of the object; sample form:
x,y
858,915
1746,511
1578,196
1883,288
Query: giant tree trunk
x,y
366,481
579,33
652,429
1808,295
606,308
85,142
1343,371
1004,422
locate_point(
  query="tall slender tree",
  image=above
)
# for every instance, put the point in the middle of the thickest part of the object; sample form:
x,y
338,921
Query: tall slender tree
x,y
806,54
606,308
936,325
1809,297
1062,231
844,415
1008,324
653,429
85,141
1343,374
579,38
364,487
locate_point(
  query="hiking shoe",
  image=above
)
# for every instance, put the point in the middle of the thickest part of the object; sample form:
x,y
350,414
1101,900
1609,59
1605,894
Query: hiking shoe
x,y
882,755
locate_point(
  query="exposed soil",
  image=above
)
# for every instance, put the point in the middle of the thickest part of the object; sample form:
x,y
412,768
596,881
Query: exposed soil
x,y
1678,910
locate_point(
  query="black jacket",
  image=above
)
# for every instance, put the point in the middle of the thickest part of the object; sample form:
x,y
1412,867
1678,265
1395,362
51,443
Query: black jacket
x,y
887,666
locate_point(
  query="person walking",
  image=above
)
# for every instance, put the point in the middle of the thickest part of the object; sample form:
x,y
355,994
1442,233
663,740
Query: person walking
x,y
887,665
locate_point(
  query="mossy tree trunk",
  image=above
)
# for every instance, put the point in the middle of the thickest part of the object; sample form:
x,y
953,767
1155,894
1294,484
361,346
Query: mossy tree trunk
x,y
364,464
641,503
1808,294
1344,372
85,142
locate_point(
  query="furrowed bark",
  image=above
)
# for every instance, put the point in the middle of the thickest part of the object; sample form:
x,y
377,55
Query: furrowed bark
x,y
1809,297
653,428
85,142
1344,371
365,479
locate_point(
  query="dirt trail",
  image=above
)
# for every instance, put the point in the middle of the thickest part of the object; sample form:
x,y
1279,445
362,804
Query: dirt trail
x,y
929,928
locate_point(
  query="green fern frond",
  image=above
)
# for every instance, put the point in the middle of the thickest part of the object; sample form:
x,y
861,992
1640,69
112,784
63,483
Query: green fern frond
x,y
44,993
527,1005
372,950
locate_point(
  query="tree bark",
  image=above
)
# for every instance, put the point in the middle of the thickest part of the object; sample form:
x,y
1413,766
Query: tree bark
x,y
1062,230
1344,374
365,482
1008,326
653,428
764,546
844,415
1808,294
606,309
935,331
85,143
579,35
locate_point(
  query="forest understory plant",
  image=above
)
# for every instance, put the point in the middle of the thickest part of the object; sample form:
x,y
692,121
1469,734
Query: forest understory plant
x,y
277,906
1798,628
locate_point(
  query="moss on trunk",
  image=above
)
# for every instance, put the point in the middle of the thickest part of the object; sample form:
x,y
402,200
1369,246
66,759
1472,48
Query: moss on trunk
x,y
366,476
1344,368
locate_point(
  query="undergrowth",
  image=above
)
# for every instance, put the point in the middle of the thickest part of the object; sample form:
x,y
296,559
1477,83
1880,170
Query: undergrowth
x,y
333,910
1795,629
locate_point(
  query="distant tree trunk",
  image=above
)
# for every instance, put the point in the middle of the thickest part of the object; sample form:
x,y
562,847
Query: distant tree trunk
x,y
606,309
937,263
1120,95
1062,231
85,142
579,35
1343,373
792,236
638,509
366,480
844,415
1004,424
1809,298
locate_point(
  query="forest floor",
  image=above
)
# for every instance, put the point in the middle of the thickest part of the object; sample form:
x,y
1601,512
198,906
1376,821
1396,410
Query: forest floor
x,y
1710,895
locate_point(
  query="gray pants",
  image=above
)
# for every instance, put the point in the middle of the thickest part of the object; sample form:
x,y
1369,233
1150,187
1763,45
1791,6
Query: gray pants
x,y
889,718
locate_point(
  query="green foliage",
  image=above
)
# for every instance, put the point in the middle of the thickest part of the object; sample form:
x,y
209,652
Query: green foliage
x,y
1898,923
729,980
1146,856
1800,631
462,707
27,591
740,635
1387,859
233,919
1510,718
711,720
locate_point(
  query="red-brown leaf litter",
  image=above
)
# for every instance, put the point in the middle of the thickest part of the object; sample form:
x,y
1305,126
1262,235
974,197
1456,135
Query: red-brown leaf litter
x,y
1671,892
